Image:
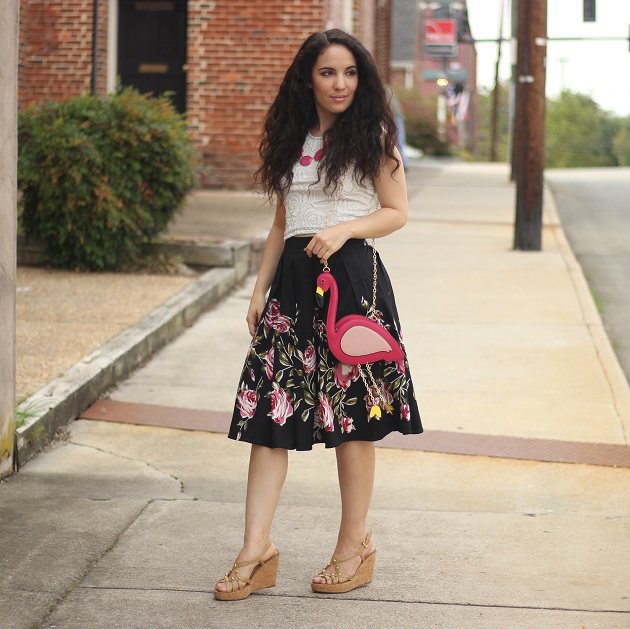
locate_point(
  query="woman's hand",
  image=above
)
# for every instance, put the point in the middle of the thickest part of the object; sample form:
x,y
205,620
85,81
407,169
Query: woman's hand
x,y
254,313
328,241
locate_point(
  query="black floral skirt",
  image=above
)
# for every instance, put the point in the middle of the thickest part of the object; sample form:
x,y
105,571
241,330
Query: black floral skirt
x,y
293,392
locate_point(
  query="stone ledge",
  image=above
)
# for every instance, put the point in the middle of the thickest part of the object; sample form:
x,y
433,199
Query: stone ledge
x,y
62,400
228,253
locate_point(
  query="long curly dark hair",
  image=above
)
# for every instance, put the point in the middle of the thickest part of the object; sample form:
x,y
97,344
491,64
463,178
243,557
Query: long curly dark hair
x,y
363,135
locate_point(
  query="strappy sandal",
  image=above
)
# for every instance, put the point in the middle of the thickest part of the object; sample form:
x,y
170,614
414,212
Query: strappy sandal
x,y
337,583
263,576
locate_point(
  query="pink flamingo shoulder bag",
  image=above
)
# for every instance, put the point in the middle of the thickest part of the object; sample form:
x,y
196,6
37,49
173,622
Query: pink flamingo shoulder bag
x,y
357,339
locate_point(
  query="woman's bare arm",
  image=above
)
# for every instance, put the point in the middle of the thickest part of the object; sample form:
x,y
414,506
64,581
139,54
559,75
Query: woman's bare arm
x,y
392,193
273,250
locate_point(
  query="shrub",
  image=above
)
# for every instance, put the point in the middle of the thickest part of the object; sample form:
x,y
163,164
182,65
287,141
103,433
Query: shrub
x,y
101,176
421,122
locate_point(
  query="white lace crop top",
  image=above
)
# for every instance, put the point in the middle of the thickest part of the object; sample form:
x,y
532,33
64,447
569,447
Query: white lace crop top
x,y
307,204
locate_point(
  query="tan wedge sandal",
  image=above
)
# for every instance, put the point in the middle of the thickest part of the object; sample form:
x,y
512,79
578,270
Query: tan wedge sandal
x,y
263,576
337,583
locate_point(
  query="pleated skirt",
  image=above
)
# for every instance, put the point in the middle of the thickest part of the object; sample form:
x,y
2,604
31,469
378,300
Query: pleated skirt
x,y
293,392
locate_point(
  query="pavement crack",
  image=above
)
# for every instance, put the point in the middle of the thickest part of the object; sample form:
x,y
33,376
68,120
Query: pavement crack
x,y
397,601
128,458
351,599
127,588
77,582
8,591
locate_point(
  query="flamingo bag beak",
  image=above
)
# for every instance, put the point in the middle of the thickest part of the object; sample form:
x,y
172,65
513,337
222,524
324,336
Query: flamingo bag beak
x,y
319,296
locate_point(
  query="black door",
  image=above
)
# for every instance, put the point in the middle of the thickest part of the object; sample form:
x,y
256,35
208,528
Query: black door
x,y
152,47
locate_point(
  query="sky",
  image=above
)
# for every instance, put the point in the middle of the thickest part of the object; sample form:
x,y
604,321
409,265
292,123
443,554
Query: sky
x,y
600,69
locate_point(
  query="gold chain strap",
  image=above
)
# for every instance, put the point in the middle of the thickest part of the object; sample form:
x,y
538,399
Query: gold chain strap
x,y
333,205
374,393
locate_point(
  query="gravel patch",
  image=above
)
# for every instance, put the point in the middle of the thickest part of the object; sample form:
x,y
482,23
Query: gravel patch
x,y
63,316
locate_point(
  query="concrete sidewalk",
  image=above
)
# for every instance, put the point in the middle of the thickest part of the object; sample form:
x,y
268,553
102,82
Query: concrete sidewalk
x,y
129,526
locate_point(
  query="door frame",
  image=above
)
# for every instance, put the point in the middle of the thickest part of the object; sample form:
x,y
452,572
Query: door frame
x,y
112,46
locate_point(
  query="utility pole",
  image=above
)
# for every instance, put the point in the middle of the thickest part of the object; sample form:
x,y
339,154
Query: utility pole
x,y
494,120
529,129
513,83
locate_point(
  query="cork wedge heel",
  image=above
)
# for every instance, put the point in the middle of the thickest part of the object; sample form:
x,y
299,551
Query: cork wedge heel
x,y
337,582
263,576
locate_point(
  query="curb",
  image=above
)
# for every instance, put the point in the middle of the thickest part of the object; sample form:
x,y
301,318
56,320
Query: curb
x,y
65,398
619,386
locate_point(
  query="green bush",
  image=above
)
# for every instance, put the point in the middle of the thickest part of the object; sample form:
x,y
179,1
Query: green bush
x,y
99,177
421,122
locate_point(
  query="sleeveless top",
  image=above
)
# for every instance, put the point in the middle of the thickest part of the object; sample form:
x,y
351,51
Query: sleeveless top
x,y
307,204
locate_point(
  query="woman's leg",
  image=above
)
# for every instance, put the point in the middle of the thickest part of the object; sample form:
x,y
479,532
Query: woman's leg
x,y
267,472
355,468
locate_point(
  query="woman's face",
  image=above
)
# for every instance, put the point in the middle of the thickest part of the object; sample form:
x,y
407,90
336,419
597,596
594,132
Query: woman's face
x,y
334,81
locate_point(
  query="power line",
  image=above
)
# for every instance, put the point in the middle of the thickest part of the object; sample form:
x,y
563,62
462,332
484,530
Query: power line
x,y
506,40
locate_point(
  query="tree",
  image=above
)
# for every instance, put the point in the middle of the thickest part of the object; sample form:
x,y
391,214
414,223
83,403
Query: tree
x,y
621,142
579,133
484,122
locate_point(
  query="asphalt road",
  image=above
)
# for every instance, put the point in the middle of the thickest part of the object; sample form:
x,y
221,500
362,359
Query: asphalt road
x,y
594,206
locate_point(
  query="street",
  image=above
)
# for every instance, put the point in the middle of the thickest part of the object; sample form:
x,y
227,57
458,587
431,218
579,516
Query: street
x,y
595,211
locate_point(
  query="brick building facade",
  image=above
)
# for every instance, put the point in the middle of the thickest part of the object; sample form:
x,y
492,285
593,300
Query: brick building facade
x,y
224,59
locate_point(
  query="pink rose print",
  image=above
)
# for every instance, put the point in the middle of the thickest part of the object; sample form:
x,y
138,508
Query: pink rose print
x,y
345,375
310,359
269,363
324,415
385,396
405,412
368,401
346,424
281,323
281,407
247,402
400,365
273,310
273,318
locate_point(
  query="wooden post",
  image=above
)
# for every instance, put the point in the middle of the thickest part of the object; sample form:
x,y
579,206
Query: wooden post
x,y
8,196
513,83
530,123
494,116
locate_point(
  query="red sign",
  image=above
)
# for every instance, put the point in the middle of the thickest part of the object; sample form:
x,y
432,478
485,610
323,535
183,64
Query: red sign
x,y
440,32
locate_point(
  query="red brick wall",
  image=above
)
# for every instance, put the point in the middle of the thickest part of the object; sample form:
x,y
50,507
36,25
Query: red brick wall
x,y
238,51
383,37
56,49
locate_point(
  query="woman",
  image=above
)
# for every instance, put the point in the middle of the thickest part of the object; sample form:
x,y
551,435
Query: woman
x,y
330,130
